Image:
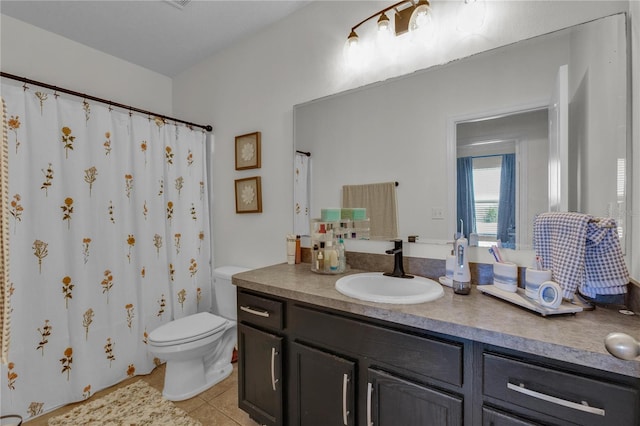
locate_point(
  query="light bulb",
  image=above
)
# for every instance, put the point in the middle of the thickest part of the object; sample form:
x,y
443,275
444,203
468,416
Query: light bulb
x,y
352,40
421,16
383,23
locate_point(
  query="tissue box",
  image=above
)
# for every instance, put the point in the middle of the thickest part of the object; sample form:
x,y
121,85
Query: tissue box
x,y
330,215
356,213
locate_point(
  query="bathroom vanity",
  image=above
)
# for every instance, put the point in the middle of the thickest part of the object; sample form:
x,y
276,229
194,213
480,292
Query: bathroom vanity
x,y
309,355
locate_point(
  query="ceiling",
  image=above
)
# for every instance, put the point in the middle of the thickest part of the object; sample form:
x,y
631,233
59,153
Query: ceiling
x,y
154,34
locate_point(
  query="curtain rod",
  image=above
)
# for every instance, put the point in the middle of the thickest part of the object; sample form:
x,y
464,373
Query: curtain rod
x,y
25,80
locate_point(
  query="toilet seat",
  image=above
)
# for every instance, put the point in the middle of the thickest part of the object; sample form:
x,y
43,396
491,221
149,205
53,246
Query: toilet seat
x,y
187,329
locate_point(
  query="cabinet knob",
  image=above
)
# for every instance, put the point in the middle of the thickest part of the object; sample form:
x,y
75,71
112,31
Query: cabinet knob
x,y
622,346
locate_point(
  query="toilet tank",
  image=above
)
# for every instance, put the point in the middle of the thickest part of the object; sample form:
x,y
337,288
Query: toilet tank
x,y
225,291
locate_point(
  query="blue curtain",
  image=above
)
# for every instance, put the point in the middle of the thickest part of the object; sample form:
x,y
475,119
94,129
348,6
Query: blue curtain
x,y
507,204
466,201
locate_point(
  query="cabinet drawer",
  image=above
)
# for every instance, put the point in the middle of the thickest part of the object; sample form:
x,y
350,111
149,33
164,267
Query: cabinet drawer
x,y
410,353
562,395
260,311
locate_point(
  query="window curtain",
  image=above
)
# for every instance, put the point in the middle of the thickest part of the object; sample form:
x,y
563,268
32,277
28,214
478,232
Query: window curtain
x,y
301,194
108,220
507,203
466,203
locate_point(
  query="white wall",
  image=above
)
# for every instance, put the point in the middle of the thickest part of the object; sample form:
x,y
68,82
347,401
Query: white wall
x,y
34,53
253,86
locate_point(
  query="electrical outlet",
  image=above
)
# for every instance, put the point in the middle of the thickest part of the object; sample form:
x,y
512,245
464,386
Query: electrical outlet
x,y
437,213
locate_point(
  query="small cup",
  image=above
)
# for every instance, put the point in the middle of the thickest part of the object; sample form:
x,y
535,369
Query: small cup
x,y
505,276
533,280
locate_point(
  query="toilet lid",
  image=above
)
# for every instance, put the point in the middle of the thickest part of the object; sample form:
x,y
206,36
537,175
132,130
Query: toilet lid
x,y
189,328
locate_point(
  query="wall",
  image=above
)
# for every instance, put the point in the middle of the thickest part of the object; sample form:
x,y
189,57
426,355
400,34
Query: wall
x,y
634,187
31,52
253,86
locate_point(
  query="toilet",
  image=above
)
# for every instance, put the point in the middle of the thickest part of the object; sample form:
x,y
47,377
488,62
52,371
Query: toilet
x,y
198,348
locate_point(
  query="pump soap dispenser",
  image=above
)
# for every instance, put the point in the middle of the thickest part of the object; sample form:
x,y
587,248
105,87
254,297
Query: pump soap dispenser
x,y
461,273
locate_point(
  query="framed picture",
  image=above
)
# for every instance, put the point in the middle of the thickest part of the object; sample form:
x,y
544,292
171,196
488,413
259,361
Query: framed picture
x,y
249,195
248,151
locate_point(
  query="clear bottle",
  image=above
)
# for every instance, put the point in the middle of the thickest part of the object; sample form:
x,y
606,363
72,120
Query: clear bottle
x,y
314,258
320,258
342,256
331,258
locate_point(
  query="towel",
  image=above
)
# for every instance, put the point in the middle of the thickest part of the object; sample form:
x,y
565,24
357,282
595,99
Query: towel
x,y
582,252
380,201
560,240
301,194
605,270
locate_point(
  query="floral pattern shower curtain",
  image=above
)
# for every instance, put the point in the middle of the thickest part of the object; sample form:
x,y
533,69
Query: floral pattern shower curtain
x,y
109,238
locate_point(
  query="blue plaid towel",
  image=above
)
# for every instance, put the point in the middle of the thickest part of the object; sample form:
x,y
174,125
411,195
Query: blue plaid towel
x,y
560,239
582,252
606,272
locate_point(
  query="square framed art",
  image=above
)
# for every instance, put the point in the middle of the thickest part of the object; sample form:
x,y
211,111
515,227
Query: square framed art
x,y
248,151
249,195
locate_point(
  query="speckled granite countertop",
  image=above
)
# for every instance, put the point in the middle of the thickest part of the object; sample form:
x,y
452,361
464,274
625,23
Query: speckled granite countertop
x,y
577,339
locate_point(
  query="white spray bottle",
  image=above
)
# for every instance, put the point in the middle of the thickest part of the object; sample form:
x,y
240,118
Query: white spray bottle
x,y
461,273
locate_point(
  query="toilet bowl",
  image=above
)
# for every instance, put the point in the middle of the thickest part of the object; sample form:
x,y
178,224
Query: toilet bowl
x,y
198,348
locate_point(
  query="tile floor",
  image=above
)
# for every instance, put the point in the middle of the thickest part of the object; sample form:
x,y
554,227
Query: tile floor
x,y
217,406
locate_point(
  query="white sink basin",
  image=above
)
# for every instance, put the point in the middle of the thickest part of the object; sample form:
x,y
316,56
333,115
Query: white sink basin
x,y
376,287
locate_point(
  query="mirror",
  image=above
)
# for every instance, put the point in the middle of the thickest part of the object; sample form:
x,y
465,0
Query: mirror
x,y
504,160
405,129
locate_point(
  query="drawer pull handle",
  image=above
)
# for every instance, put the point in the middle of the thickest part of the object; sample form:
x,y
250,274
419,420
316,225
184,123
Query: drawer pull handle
x,y
345,412
273,368
369,392
250,310
559,401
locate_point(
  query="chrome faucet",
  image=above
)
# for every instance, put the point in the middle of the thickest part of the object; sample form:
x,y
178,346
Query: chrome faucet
x,y
398,268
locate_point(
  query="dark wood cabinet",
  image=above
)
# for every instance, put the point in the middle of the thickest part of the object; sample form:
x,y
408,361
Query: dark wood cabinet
x,y
261,356
260,372
307,365
393,401
324,388
545,392
492,417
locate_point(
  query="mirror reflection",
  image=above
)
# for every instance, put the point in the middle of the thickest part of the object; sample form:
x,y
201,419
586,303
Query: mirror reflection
x,y
502,176
413,129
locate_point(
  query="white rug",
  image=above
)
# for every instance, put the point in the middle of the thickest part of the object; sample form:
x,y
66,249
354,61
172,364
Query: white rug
x,y
137,404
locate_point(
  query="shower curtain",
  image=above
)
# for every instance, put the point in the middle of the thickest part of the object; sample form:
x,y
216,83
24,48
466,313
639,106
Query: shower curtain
x,y
109,238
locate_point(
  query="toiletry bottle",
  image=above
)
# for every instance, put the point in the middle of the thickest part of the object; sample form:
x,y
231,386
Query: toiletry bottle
x,y
328,254
461,273
342,256
314,258
333,258
320,261
298,250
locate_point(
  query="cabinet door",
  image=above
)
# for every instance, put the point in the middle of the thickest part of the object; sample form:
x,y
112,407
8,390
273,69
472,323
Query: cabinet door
x,y
323,387
259,375
491,417
392,401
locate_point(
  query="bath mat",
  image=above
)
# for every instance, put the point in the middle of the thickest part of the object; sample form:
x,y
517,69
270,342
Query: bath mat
x,y
137,404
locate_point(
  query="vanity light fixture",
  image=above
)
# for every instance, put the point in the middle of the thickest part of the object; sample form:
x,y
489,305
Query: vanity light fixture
x,y
409,15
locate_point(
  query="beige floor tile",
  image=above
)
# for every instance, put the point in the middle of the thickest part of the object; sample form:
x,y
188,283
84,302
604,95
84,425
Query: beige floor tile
x,y
210,416
190,404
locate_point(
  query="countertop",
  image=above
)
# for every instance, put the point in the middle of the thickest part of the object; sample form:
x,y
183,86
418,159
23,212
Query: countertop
x,y
577,339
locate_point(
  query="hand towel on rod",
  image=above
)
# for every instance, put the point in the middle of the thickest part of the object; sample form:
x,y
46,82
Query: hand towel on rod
x,y
380,201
